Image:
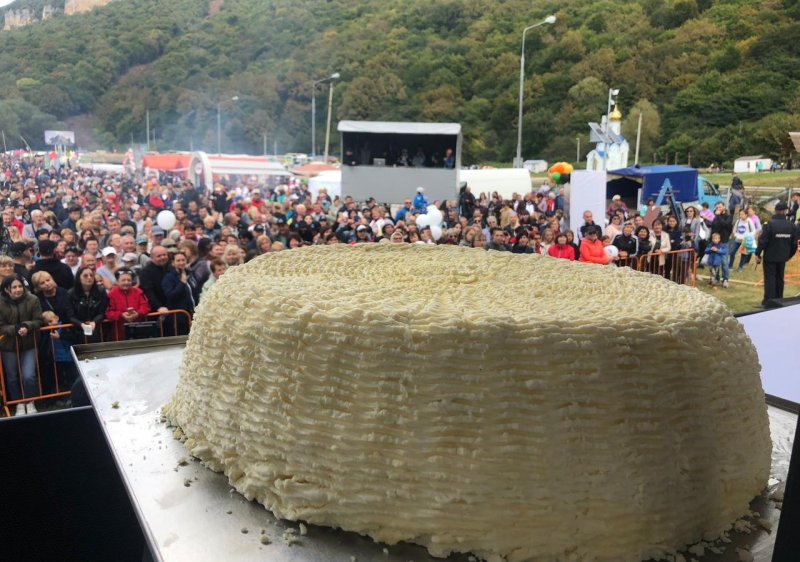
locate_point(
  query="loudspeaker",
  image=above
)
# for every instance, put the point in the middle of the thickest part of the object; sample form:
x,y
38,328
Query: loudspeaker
x,y
782,303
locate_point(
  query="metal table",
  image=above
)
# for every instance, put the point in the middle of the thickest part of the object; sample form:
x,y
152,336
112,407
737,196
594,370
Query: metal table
x,y
188,512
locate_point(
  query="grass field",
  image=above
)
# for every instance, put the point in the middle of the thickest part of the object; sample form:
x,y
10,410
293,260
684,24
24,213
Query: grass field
x,y
785,179
744,295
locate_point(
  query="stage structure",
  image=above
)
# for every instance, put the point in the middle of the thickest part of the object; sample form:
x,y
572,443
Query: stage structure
x,y
389,160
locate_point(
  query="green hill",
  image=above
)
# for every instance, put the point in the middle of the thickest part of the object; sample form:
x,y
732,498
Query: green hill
x,y
714,79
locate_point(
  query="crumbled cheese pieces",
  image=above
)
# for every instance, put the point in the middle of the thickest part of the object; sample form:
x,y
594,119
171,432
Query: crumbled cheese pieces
x,y
512,406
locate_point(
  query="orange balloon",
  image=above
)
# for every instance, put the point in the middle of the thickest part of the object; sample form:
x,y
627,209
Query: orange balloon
x,y
558,167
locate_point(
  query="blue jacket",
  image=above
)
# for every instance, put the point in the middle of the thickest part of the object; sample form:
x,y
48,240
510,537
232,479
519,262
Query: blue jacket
x,y
715,258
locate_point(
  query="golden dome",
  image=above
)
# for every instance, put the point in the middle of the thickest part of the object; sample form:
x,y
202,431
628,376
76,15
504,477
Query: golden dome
x,y
616,115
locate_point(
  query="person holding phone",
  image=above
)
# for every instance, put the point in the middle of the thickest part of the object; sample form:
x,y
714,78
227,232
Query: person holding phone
x,y
89,304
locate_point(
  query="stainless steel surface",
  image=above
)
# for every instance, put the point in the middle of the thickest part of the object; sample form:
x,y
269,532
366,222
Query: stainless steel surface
x,y
204,520
191,513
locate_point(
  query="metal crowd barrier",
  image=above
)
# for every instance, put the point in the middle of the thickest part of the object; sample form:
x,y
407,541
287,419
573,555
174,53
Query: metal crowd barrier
x,y
679,266
52,379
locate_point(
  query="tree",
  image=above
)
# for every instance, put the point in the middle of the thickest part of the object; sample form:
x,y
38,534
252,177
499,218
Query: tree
x,y
651,127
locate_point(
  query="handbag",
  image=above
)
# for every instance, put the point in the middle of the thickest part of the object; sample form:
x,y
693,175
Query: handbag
x,y
142,330
703,231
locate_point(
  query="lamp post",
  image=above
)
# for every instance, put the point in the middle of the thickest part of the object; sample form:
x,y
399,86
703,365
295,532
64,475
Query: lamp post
x,y
334,76
518,159
328,126
219,123
611,93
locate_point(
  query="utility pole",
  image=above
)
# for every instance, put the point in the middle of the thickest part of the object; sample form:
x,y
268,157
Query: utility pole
x,y
265,144
328,127
578,151
147,125
638,138
5,149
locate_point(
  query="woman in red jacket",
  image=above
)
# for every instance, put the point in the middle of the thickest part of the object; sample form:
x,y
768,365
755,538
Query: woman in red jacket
x,y
561,249
592,249
126,303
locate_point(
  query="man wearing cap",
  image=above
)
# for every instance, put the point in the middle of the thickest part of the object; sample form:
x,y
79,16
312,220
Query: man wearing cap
x,y
61,273
778,243
22,254
362,235
141,250
72,258
72,219
157,234
108,271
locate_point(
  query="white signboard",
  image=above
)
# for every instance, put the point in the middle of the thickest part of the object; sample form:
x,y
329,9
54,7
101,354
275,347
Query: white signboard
x,y
59,138
587,193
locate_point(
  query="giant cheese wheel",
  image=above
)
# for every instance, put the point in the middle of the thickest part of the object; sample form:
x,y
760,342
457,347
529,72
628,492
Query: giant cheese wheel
x,y
520,407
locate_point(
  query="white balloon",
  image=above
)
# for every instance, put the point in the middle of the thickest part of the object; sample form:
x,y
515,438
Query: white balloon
x,y
423,220
166,220
436,231
436,217
432,208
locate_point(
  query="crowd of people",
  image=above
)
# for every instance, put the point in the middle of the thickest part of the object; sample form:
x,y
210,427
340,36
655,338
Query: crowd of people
x,y
86,249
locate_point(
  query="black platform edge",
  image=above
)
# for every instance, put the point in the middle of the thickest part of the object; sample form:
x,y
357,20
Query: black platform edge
x,y
783,404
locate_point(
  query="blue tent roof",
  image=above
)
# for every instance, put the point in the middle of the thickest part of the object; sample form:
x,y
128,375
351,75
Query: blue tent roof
x,y
682,178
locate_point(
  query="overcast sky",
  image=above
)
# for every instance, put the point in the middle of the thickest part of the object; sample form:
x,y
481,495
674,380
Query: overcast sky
x,y
5,2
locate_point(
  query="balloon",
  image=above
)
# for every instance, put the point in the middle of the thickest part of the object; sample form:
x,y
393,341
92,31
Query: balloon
x,y
568,168
436,217
565,178
166,220
423,221
431,209
558,168
436,231
556,177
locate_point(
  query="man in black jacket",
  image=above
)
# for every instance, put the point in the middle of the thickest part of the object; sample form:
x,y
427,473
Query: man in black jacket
x,y
778,243
723,225
151,276
627,244
60,272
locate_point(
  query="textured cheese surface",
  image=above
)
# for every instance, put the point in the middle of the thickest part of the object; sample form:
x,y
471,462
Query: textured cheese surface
x,y
519,407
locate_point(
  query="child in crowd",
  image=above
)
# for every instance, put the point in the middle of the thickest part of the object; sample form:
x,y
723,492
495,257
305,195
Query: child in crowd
x,y
716,252
61,353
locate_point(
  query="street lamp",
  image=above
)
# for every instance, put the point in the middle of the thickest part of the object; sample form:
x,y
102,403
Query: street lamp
x,y
219,123
612,92
549,19
331,78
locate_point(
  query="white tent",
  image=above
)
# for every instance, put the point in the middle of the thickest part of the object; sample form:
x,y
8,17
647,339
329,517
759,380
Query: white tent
x,y
330,180
505,181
